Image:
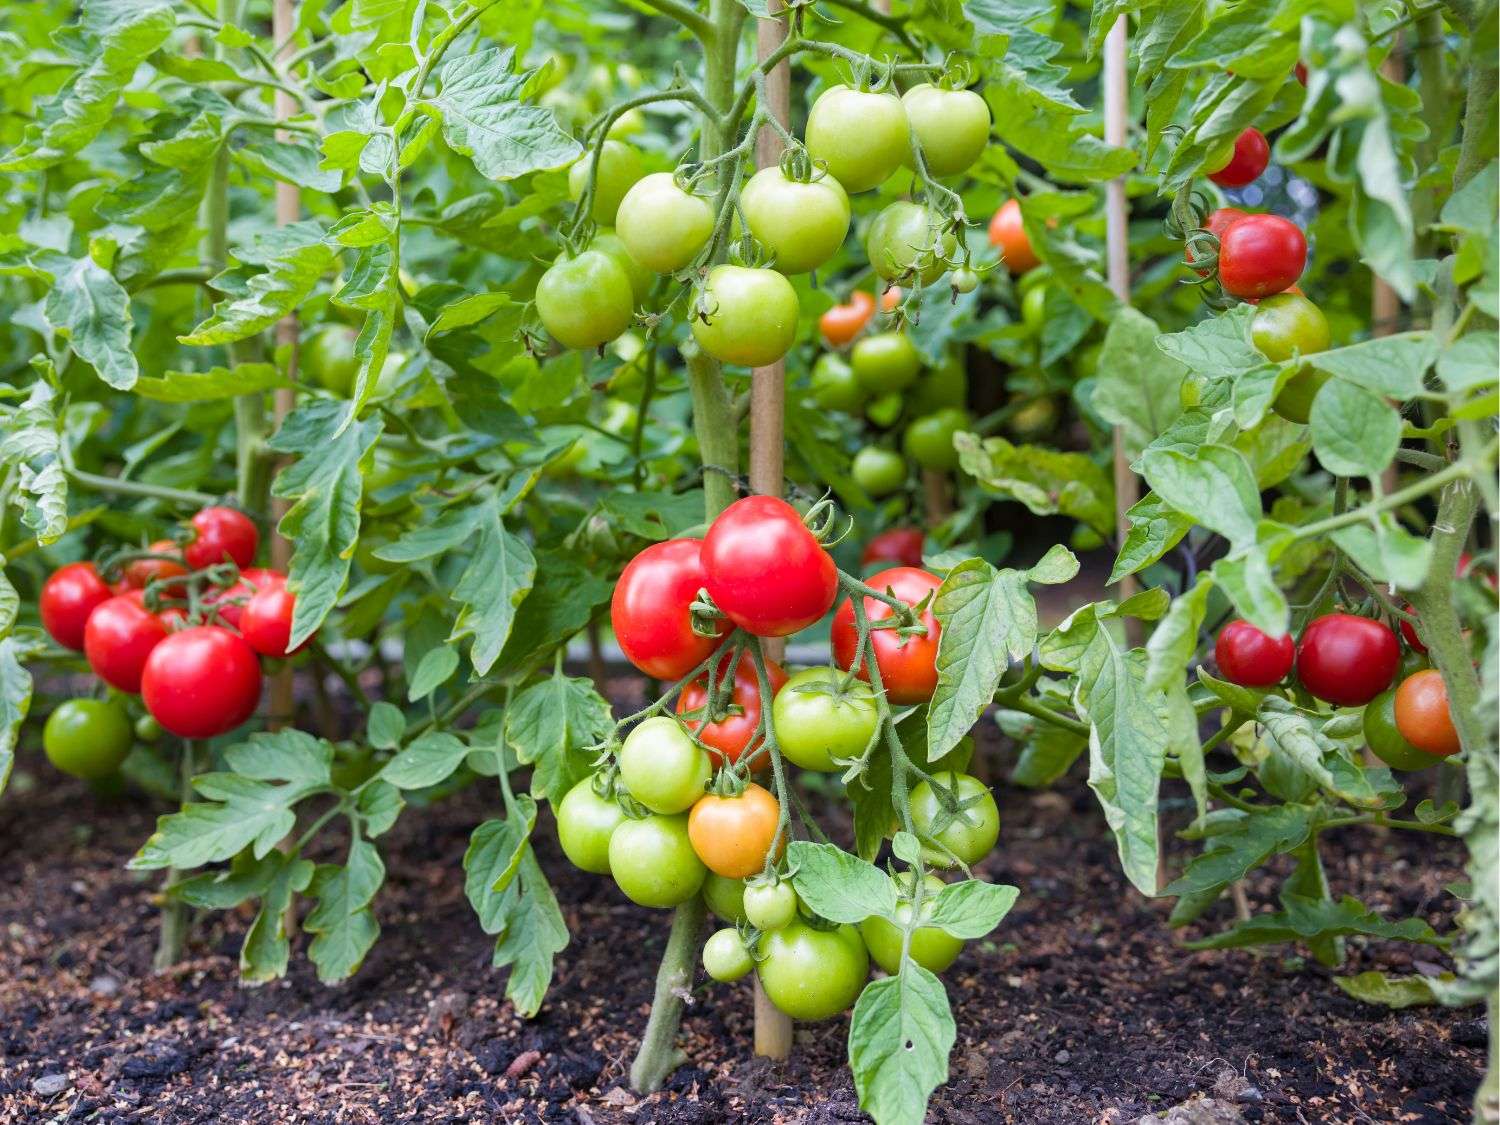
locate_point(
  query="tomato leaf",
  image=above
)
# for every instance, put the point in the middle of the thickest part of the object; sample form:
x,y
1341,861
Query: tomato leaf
x,y
971,909
535,932
430,759
1155,528
1375,987
342,921
212,385
1308,919
899,1039
1355,431
294,257
1250,841
1214,485
266,950
838,886
1136,388
31,444
551,724
1045,480
15,700
91,310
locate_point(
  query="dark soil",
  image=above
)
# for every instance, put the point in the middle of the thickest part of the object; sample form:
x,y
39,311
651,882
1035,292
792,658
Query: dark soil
x,y
1083,1008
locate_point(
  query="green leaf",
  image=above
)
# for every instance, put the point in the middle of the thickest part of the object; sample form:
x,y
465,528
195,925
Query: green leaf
x,y
1215,485
266,949
1472,362
499,576
535,932
1136,388
1174,641
1244,700
1254,838
1389,365
212,385
1355,431
1047,481
971,909
91,310
899,1039
1246,578
323,522
838,886
1375,987
1299,737
492,861
379,804
433,671
1216,347
468,311
31,442
564,599
484,119
293,163
1386,551
1047,751
430,759
1155,528
342,921
15,701
284,755
243,813
551,724
294,257
1308,919
386,726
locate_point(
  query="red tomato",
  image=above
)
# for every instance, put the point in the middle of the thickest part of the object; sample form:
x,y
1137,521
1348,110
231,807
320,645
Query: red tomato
x,y
1347,660
1216,224
201,682
1251,658
1260,255
764,570
142,572
728,737
68,596
266,621
229,602
1007,233
120,636
650,610
221,533
1467,567
842,323
908,665
1248,160
899,545
1423,716
1300,70
1410,633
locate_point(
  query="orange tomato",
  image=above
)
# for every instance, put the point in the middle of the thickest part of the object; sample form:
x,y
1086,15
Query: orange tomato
x,y
1423,716
143,571
890,298
733,835
842,323
1007,233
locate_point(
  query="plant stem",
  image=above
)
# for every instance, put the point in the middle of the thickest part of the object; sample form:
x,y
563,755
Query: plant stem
x,y
174,912
659,1054
140,488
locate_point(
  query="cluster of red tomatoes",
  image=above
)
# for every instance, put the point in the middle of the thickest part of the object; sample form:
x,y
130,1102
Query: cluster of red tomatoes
x,y
185,626
693,823
798,212
1353,661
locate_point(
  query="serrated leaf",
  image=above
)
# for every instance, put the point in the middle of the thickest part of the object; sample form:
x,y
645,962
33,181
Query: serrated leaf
x,y
1355,431
291,162
91,310
1251,840
284,755
1174,641
498,577
1155,528
550,725
838,886
266,950
1388,991
1214,485
15,702
1045,480
492,860
1136,387
342,921
535,932
32,443
899,1039
1307,919
294,257
212,385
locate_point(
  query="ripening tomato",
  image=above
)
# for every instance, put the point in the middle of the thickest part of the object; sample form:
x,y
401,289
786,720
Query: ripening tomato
x,y
619,169
890,298
1260,255
585,301
662,767
748,317
220,535
1251,658
733,835
1300,70
860,137
770,904
725,957
1288,324
662,226
765,570
266,621
929,440
878,471
201,682
70,594
326,358
120,636
932,948
908,240
139,573
585,822
842,323
653,862
817,720
952,126
1423,715
1008,233
812,974
1347,660
899,545
908,665
727,738
802,223
885,362
834,386
87,738
1246,161
1385,739
651,610
725,897
969,833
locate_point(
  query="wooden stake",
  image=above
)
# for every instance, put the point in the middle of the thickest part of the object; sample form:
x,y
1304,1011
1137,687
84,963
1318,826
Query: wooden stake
x,y
773,1027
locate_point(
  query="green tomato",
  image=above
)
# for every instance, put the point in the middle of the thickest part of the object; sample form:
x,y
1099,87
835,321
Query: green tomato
x,y
812,974
861,138
653,861
884,410
662,767
964,280
326,358
1034,309
1033,420
1289,324
725,957
834,386
885,362
619,170
878,471
751,316
802,224
631,123
725,897
87,738
906,239
585,822
952,126
641,279
1385,739
969,834
944,386
147,729
1295,400
929,440
770,906
662,226
931,947
816,726
585,301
